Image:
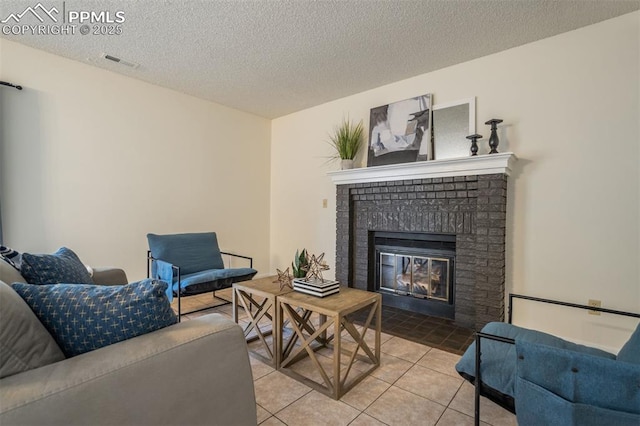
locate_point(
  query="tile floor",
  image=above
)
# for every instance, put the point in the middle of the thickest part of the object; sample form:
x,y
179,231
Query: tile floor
x,y
435,332
415,384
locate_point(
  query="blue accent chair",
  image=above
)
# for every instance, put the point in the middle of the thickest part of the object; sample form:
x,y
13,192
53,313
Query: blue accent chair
x,y
546,380
192,264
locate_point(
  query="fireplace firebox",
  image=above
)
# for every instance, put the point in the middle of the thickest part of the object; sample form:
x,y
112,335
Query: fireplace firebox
x,y
415,271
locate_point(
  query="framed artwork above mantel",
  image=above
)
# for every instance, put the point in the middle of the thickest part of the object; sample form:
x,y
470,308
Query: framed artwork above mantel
x,y
400,132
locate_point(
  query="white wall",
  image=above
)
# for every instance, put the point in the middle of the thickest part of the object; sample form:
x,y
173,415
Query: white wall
x,y
94,161
570,110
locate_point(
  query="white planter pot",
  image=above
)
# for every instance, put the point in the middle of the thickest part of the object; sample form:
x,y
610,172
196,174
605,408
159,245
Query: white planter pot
x,y
346,164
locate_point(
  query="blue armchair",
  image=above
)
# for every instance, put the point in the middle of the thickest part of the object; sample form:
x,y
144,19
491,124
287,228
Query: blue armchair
x,y
192,264
546,380
562,387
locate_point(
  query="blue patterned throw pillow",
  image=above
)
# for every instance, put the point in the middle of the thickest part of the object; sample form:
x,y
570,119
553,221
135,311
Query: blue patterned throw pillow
x,y
63,266
82,318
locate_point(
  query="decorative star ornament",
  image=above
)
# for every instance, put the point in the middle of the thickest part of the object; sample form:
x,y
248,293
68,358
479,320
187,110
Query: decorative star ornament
x,y
284,278
316,266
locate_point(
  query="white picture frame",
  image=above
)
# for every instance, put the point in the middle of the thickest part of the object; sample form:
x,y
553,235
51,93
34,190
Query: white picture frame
x,y
452,122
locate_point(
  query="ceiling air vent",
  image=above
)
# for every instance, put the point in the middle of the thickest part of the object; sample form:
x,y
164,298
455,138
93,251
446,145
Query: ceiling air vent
x,y
119,60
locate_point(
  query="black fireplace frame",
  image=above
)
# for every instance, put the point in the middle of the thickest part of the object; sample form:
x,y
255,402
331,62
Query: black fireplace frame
x,y
420,244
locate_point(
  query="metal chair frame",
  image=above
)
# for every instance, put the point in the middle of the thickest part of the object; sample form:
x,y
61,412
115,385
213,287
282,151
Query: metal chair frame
x,y
480,335
176,270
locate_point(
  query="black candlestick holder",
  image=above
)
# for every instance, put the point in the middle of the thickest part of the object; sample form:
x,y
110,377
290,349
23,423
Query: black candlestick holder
x,y
493,139
474,143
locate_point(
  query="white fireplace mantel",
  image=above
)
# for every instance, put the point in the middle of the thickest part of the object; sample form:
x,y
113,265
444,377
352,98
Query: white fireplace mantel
x,y
468,166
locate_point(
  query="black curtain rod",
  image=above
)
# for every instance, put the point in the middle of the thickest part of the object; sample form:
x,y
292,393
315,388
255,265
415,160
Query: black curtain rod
x,y
6,83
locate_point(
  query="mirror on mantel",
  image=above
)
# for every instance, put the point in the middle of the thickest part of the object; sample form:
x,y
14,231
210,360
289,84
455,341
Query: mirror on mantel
x,y
452,123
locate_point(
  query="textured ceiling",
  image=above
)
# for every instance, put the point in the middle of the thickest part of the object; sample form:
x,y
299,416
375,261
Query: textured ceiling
x,y
272,58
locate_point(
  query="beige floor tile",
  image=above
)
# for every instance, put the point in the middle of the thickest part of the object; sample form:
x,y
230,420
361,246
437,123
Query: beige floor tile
x,y
390,369
365,420
308,369
259,368
262,414
401,348
243,322
383,337
441,361
225,309
361,362
489,412
454,418
430,384
369,337
347,349
272,421
258,347
265,329
365,392
195,315
317,409
275,391
399,407
229,312
260,350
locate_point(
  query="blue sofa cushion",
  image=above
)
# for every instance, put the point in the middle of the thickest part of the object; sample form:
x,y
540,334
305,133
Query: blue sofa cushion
x,y
498,367
191,252
214,275
24,342
560,386
630,352
214,279
82,318
63,266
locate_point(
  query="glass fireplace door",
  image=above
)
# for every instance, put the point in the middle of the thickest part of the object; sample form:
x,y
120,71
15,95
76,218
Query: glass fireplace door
x,y
419,276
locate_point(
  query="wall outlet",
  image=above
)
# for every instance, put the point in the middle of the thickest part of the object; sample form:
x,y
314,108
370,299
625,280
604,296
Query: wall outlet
x,y
596,304
324,203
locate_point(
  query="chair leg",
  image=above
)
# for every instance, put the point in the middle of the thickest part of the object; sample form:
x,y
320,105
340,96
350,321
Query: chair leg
x,y
477,387
226,302
179,306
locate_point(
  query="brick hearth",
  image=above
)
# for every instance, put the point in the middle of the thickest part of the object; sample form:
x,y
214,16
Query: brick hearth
x,y
472,207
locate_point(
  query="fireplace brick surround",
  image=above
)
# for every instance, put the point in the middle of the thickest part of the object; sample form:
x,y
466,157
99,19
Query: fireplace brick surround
x,y
471,207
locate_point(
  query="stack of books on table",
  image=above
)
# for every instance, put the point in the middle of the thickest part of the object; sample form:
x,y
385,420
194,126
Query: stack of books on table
x,y
315,287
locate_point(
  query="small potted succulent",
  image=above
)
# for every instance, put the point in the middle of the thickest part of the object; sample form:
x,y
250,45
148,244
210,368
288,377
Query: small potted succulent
x,y
347,140
300,264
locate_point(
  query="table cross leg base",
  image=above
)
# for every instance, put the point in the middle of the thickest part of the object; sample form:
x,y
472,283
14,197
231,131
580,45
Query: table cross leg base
x,y
262,310
306,334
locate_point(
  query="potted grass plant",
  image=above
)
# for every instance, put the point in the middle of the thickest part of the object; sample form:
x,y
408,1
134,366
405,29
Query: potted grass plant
x,y
346,140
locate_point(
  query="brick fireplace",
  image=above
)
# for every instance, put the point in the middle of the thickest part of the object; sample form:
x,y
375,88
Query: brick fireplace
x,y
462,201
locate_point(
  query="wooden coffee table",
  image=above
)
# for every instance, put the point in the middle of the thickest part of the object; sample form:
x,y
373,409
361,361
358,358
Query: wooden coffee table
x,y
257,297
297,308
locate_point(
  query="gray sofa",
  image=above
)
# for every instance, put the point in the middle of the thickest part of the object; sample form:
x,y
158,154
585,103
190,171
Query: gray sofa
x,y
194,372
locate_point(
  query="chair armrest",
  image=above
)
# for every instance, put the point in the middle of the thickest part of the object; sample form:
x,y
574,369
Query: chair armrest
x,y
495,395
567,304
194,372
239,256
109,276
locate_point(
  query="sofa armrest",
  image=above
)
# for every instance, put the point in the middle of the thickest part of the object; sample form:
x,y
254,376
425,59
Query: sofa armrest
x,y
109,276
195,372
